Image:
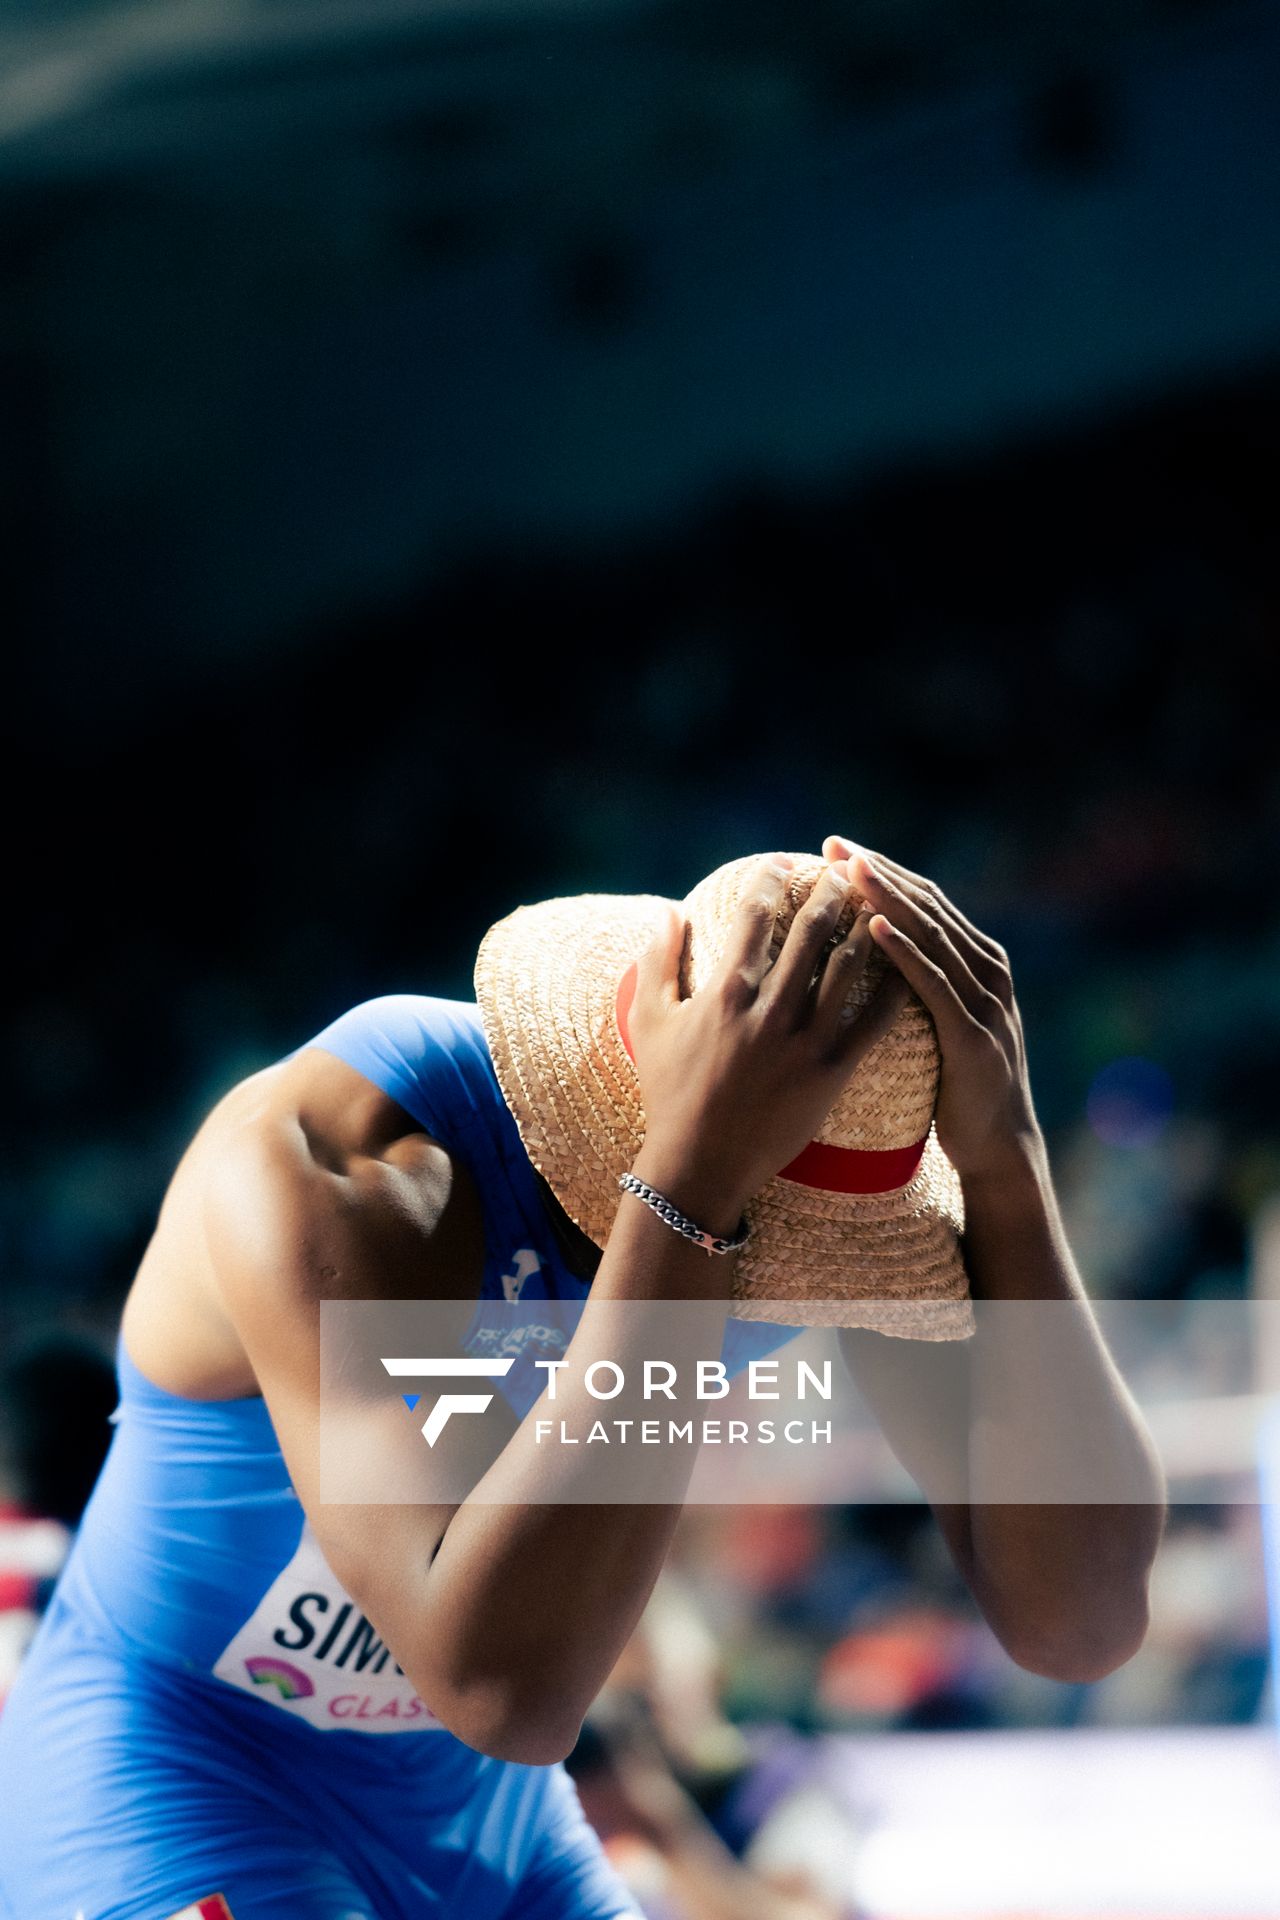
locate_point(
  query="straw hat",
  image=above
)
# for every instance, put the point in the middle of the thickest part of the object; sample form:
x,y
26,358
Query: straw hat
x,y
862,1230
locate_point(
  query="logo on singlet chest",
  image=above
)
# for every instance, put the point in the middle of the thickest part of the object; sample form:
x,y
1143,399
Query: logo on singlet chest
x,y
525,1263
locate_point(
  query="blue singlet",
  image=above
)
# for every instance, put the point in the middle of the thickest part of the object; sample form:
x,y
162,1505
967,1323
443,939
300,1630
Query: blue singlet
x,y
196,1716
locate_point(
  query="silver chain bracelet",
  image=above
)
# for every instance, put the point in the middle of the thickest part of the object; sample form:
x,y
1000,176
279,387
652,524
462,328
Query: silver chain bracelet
x,y
688,1229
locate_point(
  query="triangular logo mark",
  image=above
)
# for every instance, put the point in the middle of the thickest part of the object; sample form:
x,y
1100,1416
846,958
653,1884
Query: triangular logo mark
x,y
411,1400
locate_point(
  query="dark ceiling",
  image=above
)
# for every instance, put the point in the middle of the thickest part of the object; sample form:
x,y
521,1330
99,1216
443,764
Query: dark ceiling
x,y
512,114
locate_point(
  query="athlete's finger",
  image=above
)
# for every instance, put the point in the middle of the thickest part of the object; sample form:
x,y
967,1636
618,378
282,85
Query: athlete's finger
x,y
844,968
807,937
929,930
749,947
930,891
930,981
985,958
658,968
866,1029
837,847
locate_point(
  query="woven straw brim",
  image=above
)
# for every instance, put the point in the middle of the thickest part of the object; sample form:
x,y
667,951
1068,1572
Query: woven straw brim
x,y
546,981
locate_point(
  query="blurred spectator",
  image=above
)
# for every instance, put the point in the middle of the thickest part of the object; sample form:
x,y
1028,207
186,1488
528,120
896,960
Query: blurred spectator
x,y
671,1857
55,1399
693,1812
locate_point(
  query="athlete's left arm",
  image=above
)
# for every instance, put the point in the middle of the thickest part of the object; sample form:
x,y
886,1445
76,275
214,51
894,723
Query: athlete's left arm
x,y
1033,1403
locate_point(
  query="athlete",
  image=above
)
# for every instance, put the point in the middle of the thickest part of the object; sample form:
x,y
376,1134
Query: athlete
x,y
194,1730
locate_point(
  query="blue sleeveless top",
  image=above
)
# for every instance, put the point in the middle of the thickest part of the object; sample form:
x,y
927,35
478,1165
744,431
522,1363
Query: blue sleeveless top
x,y
194,1550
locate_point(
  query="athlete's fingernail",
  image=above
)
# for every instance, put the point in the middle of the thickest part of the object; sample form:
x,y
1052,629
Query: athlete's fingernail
x,y
781,864
838,874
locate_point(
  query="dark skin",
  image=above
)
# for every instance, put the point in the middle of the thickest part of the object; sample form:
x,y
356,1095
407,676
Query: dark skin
x,y
308,1184
1063,1583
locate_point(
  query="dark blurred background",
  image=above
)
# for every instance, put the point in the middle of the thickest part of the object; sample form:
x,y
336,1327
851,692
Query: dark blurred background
x,y
455,454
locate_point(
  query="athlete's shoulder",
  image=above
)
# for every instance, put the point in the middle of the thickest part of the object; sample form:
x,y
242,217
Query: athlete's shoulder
x,y
299,1201
404,1021
422,1049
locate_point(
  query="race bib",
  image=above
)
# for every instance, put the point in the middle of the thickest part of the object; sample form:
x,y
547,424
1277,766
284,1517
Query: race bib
x,y
308,1650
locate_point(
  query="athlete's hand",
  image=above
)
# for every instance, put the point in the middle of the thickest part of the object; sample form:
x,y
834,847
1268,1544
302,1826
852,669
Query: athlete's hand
x,y
737,1079
984,1113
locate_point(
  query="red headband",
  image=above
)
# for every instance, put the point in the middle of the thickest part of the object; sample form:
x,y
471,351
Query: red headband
x,y
832,1169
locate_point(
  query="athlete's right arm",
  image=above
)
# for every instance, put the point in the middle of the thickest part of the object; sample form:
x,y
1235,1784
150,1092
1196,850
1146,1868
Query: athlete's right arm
x,y
293,1218
507,1613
